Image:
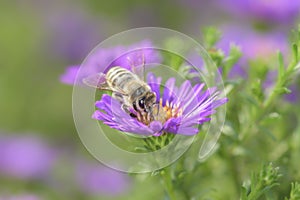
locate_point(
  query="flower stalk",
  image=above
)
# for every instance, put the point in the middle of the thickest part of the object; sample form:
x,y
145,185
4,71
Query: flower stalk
x,y
168,183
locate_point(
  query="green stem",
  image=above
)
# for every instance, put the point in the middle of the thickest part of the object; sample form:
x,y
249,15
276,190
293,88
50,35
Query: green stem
x,y
235,173
168,183
255,193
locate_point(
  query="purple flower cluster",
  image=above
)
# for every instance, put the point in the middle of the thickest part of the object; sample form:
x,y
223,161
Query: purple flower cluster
x,y
262,46
276,11
182,109
66,29
25,157
28,157
103,59
20,197
95,179
254,45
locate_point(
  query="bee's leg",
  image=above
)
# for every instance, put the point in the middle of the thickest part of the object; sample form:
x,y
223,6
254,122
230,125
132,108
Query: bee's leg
x,y
155,109
150,117
118,97
128,111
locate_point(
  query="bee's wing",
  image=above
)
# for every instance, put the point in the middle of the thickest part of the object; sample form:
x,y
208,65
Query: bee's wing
x,y
99,81
96,81
138,70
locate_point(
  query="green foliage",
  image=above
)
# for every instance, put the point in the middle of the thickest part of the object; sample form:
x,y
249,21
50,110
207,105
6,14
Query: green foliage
x,y
255,132
295,192
155,143
233,57
261,182
211,36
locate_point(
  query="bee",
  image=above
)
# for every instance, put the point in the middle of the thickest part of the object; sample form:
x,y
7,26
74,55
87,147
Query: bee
x,y
135,95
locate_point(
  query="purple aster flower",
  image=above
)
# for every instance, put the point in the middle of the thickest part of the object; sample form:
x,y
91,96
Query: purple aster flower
x,y
276,11
180,111
25,157
96,179
103,59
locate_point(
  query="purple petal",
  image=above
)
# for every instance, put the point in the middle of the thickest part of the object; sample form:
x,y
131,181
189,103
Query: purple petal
x,y
169,90
154,83
187,130
156,126
184,89
172,125
192,99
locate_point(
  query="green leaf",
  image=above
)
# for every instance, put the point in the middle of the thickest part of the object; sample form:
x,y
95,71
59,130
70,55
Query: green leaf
x,y
217,55
251,100
257,90
234,55
211,36
295,52
283,90
295,191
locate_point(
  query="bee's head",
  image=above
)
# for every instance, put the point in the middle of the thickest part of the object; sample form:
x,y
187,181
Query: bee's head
x,y
147,101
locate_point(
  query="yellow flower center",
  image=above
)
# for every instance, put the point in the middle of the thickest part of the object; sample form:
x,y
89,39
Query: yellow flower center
x,y
160,113
163,113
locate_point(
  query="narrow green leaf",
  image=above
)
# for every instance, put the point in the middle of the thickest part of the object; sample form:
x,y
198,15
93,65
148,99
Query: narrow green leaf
x,y
295,52
283,90
281,65
211,36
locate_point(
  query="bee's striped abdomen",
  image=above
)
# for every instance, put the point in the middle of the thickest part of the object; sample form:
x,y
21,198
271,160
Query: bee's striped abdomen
x,y
119,77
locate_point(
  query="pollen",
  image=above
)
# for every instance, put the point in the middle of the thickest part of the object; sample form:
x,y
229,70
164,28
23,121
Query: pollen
x,y
171,110
163,113
160,113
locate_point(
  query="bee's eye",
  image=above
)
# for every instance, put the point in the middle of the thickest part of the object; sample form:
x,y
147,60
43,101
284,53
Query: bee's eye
x,y
134,106
142,103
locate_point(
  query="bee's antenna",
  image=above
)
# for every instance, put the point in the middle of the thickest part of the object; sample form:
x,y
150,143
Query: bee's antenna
x,y
131,64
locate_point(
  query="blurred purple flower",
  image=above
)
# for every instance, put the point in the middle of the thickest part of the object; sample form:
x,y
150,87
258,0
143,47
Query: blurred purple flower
x,y
71,33
275,11
181,109
25,157
254,45
294,96
257,46
70,74
20,197
96,179
103,59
